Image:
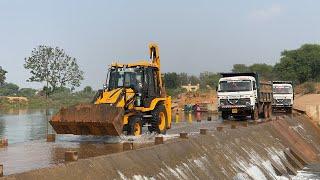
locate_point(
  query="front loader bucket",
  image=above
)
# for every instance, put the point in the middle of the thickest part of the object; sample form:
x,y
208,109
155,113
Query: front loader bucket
x,y
89,119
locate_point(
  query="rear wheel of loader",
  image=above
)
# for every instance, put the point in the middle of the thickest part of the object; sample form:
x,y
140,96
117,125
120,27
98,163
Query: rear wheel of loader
x,y
134,127
159,120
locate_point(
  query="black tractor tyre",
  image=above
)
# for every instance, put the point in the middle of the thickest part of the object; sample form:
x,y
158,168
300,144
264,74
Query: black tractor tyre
x,y
224,115
255,113
155,120
131,127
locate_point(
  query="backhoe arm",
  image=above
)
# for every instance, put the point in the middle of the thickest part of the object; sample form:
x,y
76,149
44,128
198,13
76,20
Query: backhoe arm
x,y
154,56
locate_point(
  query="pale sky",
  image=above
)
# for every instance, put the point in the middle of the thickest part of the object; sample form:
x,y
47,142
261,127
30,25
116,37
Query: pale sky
x,y
194,36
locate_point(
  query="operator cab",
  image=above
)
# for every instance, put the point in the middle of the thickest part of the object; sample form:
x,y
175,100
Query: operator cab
x,y
141,79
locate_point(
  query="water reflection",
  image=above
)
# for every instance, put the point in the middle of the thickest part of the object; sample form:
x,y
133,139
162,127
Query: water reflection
x,y
27,156
24,125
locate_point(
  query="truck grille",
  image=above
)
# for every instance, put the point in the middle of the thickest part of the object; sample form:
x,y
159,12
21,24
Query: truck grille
x,y
241,101
282,101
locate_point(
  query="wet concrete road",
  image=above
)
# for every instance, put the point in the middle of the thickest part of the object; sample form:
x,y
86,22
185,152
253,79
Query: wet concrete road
x,y
21,157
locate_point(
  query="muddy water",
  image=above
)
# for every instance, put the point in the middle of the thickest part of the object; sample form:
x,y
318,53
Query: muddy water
x,y
27,150
28,125
26,131
24,125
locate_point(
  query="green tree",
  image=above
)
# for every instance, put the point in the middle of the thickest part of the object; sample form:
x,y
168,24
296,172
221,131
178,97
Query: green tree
x,y
53,66
2,76
240,68
9,89
300,65
209,78
171,80
264,70
194,80
27,92
87,89
183,79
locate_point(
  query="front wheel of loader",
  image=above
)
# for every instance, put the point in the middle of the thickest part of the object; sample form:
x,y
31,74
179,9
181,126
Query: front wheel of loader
x,y
134,127
159,120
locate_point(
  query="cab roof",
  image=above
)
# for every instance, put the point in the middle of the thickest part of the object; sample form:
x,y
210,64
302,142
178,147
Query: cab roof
x,y
237,78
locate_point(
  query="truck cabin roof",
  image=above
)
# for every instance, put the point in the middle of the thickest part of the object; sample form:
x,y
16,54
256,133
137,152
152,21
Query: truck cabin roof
x,y
239,74
237,78
282,82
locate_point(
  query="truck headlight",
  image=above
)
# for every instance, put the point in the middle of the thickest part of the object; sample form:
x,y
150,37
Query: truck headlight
x,y
222,102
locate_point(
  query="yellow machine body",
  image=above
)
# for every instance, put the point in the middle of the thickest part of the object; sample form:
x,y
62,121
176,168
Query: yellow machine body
x,y
114,110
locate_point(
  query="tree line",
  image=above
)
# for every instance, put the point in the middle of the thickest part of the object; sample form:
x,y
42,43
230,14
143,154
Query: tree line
x,y
299,65
58,70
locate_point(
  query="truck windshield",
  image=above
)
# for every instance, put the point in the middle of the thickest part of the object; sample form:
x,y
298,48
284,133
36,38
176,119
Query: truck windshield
x,y
282,89
125,77
234,86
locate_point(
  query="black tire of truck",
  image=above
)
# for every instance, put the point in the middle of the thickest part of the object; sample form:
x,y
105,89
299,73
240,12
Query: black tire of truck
x,y
134,126
289,110
224,115
270,111
239,117
255,113
156,120
265,111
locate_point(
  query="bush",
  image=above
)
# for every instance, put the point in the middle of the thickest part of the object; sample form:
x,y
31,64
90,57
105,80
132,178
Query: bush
x,y
175,92
9,89
27,92
309,88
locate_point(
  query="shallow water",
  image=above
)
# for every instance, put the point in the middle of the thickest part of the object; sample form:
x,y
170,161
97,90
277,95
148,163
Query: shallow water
x,y
27,150
27,125
24,125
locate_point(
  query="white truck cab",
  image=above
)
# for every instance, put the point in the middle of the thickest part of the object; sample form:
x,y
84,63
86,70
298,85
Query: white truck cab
x,y
240,95
239,91
283,96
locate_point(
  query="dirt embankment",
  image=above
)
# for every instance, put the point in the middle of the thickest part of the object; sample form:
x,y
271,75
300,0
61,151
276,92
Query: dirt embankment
x,y
209,97
301,102
268,150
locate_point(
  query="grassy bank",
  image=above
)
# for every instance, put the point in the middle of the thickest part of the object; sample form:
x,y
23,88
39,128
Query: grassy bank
x,y
57,100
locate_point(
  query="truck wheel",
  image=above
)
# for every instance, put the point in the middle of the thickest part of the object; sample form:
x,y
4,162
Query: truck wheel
x,y
159,120
224,115
255,113
265,111
289,110
238,117
134,127
269,111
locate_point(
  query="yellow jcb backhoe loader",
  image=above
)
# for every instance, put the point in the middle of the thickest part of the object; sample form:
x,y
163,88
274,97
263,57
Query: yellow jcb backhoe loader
x,y
134,96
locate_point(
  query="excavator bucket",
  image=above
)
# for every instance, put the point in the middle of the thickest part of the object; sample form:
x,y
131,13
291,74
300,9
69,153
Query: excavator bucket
x,y
89,119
